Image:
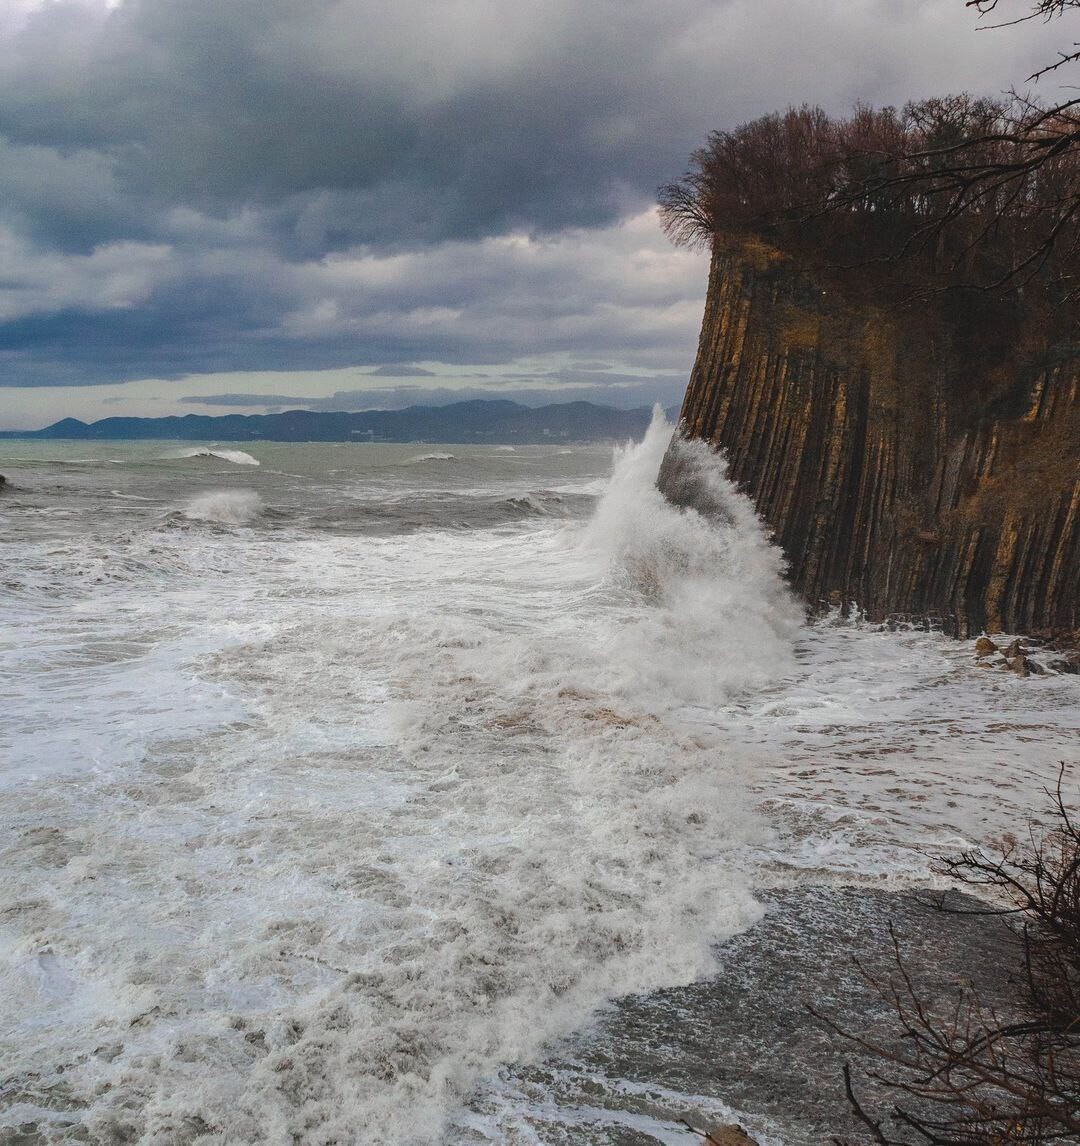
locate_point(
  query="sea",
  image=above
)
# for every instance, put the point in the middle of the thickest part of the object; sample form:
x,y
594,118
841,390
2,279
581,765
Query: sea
x,y
340,782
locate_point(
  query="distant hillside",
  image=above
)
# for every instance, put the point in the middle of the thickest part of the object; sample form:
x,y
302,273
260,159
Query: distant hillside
x,y
493,421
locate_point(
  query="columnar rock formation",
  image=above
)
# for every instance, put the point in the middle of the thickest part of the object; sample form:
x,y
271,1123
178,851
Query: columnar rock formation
x,y
915,461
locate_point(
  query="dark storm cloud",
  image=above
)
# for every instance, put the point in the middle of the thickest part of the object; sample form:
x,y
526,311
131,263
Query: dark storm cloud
x,y
177,180
294,109
477,303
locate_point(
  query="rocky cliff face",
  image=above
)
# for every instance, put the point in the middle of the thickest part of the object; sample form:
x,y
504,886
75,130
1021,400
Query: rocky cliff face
x,y
916,461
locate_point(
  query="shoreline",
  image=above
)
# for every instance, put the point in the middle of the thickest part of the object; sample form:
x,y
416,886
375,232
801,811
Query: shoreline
x,y
740,1047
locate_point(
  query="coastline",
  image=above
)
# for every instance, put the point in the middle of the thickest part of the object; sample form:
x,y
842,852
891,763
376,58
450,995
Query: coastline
x,y
741,1048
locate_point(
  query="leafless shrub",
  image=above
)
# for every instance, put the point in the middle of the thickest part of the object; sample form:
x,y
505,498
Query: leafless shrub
x,y
971,1077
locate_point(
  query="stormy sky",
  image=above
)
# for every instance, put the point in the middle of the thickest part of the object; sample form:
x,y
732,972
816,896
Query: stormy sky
x,y
239,205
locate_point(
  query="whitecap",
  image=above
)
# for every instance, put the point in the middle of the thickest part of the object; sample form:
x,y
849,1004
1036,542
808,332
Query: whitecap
x,y
432,458
237,457
227,506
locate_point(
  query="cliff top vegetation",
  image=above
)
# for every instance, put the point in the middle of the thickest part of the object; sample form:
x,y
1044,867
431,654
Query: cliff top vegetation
x,y
962,192
958,191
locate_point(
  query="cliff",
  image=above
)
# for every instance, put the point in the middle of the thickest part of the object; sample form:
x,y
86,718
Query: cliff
x,y
915,461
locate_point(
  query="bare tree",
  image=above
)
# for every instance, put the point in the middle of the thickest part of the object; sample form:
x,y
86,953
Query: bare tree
x,y
971,1077
986,191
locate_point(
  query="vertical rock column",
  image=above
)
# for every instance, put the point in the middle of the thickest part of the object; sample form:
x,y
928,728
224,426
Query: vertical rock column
x,y
896,478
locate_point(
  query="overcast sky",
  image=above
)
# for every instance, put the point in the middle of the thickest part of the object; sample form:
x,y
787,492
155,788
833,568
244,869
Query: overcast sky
x,y
218,205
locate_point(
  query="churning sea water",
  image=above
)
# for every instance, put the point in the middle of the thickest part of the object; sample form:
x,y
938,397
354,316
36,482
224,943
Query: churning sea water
x,y
335,778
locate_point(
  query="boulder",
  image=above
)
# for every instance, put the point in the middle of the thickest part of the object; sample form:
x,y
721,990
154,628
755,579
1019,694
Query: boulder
x,y
984,646
1066,660
729,1136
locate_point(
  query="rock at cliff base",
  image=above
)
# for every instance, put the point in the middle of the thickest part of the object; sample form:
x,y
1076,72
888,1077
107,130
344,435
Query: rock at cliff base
x,y
984,646
1022,665
729,1136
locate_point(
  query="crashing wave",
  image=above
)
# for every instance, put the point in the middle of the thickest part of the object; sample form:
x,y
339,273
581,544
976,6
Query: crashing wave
x,y
237,457
225,506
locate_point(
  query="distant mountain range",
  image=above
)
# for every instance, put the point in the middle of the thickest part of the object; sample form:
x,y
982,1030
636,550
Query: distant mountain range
x,y
495,421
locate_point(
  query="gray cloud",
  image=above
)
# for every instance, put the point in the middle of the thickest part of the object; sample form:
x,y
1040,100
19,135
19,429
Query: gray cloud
x,y
458,303
303,184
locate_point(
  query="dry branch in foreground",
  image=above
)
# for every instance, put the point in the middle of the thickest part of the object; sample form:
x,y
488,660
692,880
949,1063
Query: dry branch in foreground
x,y
972,1077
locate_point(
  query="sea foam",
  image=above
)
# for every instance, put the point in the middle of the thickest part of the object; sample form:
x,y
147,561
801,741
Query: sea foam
x,y
471,798
225,506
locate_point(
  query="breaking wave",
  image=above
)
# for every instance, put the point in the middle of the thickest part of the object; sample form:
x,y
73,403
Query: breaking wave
x,y
722,617
475,793
237,457
225,506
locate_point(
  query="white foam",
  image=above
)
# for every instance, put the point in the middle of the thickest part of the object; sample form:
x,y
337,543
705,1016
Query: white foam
x,y
227,506
723,618
506,1110
887,749
453,820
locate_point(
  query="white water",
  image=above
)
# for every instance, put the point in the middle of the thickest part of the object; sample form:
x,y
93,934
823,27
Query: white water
x,y
306,833
237,457
226,506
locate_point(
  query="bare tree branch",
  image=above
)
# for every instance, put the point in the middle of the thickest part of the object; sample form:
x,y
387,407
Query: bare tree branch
x,y
969,1077
985,193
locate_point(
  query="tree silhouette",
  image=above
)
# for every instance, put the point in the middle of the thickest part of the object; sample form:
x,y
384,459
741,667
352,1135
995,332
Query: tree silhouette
x,y
971,1077
985,192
